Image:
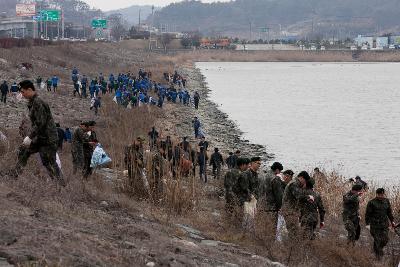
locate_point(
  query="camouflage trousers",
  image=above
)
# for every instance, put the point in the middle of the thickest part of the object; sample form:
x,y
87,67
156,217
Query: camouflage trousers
x,y
292,224
77,159
87,159
47,153
381,238
308,228
353,228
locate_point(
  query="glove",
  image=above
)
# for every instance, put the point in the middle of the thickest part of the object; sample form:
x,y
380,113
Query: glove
x,y
89,133
27,141
321,224
368,227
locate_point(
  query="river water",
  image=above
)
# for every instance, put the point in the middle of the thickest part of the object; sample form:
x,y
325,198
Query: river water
x,y
336,116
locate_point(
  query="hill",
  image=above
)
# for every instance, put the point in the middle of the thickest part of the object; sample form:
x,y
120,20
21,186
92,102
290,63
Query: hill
x,y
131,14
324,18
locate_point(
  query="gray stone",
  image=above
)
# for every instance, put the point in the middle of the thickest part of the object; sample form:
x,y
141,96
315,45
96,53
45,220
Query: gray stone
x,y
150,264
189,229
211,243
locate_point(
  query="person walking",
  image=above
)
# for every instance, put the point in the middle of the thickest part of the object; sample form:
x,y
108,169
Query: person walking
x,y
97,104
68,135
54,82
311,211
43,137
196,125
202,159
84,83
377,217
60,133
272,191
196,99
230,179
216,161
39,81
203,143
153,137
49,83
4,91
77,147
351,213
89,142
293,194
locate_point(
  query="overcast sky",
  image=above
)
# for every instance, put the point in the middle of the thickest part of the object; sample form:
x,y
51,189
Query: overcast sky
x,y
106,5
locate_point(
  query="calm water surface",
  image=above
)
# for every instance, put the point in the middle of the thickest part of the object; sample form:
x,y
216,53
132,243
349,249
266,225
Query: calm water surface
x,y
341,116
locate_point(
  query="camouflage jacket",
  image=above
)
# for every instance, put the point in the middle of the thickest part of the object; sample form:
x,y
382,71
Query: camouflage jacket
x,y
87,139
43,127
273,189
309,211
77,139
379,213
231,178
351,206
292,195
247,185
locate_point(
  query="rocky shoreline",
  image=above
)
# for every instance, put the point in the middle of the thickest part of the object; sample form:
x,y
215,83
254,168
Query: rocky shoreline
x,y
219,129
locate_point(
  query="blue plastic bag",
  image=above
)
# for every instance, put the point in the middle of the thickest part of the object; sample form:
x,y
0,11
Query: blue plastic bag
x,y
99,157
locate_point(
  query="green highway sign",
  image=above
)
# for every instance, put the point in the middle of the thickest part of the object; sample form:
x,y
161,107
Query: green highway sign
x,y
49,15
99,23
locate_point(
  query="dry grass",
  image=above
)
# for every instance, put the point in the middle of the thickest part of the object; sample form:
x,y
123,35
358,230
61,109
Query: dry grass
x,y
182,199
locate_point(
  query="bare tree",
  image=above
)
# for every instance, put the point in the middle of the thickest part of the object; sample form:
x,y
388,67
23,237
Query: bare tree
x,y
166,39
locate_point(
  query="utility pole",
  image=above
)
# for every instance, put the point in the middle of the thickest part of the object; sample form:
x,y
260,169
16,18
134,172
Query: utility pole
x,y
139,16
250,31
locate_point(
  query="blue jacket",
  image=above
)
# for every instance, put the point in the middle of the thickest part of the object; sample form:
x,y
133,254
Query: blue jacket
x,y
54,80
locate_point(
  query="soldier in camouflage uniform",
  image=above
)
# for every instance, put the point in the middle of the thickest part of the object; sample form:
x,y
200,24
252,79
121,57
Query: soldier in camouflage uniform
x,y
43,137
294,193
350,215
309,211
231,178
89,142
247,184
272,194
77,147
377,217
134,162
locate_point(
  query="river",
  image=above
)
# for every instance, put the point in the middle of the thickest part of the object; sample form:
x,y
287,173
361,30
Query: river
x,y
336,116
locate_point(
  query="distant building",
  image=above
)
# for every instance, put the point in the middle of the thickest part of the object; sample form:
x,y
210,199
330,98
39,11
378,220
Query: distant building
x,y
394,40
364,40
382,42
18,27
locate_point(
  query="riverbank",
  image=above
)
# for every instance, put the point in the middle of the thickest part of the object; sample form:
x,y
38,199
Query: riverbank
x,y
96,222
99,224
